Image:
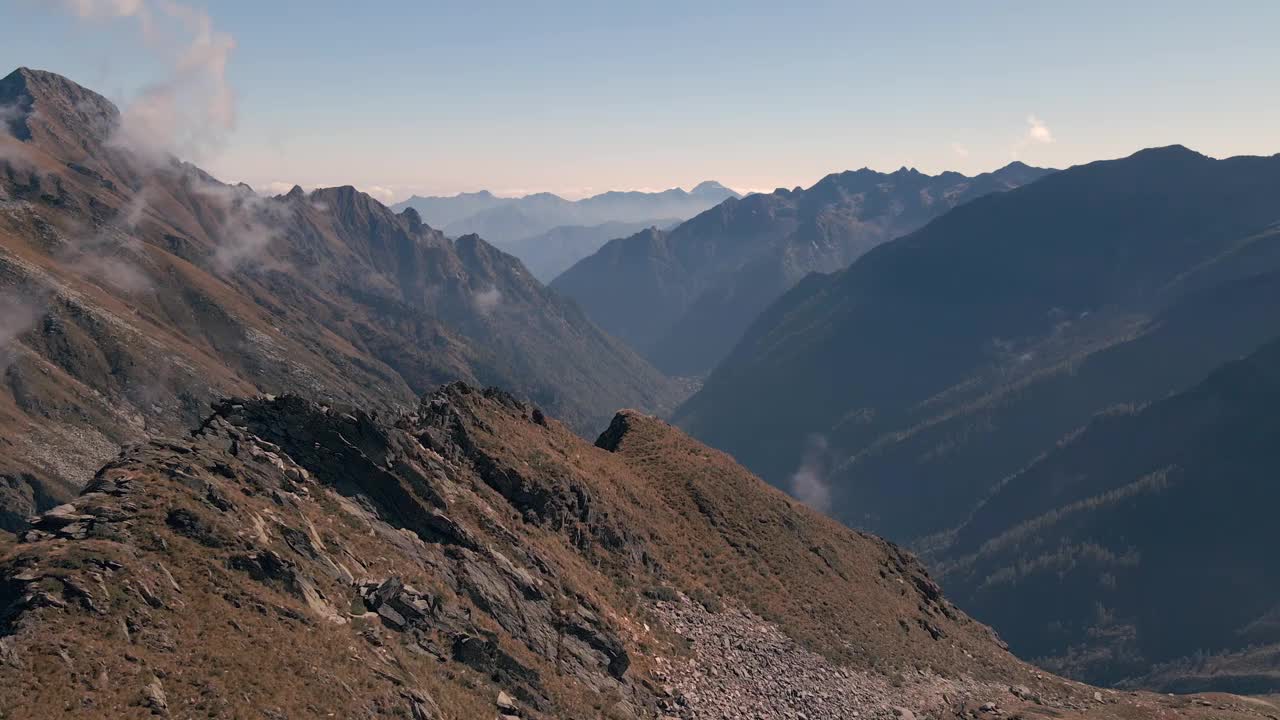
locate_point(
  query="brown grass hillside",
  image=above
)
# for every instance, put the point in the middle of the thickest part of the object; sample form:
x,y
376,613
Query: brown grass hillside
x,y
293,560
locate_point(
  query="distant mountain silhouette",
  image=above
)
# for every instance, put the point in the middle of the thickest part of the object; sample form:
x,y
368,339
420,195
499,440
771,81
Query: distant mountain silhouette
x,y
550,253
684,297
440,211
504,221
135,290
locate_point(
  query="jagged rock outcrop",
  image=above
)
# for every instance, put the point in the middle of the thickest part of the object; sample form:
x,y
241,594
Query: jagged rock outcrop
x,y
468,559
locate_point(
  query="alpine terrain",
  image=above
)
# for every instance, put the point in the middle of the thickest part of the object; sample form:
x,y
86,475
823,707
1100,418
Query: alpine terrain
x,y
684,297
1043,390
136,289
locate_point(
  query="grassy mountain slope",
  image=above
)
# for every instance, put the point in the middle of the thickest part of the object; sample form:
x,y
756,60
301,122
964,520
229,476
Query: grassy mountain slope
x,y
472,558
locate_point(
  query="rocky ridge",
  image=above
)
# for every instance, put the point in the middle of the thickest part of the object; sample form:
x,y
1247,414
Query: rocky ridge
x,y
470,559
135,289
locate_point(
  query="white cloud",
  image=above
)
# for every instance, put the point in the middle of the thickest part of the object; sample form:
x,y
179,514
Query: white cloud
x,y
106,8
384,195
252,223
276,187
17,315
487,300
190,110
1037,131
960,150
809,483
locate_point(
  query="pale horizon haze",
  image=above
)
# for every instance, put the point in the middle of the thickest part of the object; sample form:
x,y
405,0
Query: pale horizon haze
x,y
401,98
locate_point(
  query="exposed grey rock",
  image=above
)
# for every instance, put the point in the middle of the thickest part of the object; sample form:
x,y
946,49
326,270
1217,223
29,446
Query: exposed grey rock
x,y
421,706
153,697
744,666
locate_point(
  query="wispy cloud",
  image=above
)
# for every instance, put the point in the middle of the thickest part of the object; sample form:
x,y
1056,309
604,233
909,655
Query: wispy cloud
x,y
487,300
18,314
1037,131
959,150
809,483
251,223
275,187
12,150
382,194
189,111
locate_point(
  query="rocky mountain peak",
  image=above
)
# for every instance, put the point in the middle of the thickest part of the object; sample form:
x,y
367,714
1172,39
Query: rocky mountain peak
x,y
42,101
412,217
711,187
623,423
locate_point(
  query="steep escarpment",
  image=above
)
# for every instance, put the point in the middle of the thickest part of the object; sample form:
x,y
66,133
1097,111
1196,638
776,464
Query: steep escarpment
x,y
475,558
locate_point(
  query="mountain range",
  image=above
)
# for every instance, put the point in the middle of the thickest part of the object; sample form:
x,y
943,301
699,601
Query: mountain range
x,y
684,297
956,388
550,253
549,233
473,558
136,289
247,468
505,220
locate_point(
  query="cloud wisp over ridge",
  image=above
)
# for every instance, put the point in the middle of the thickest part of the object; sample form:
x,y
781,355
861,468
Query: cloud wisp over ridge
x,y
190,110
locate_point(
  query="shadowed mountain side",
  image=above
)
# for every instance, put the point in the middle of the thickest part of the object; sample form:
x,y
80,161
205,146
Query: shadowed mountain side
x,y
1149,519
550,253
942,381
684,297
982,305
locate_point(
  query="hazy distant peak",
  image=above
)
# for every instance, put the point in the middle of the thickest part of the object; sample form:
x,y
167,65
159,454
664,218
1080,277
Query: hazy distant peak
x,y
412,217
708,187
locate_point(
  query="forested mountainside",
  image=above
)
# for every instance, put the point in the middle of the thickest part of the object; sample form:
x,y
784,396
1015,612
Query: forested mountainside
x,y
1149,519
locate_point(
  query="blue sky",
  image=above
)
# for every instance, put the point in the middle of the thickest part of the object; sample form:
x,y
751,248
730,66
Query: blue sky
x,y
402,97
